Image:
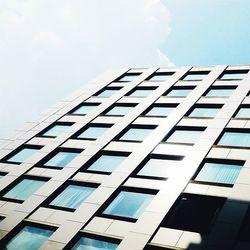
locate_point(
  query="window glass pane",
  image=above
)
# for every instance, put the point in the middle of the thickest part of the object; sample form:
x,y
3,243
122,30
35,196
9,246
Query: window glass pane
x,y
91,244
23,155
56,130
235,139
179,92
24,189
30,238
128,77
184,136
61,159
93,132
160,77
119,110
160,111
219,173
194,77
136,134
233,76
243,113
220,92
107,92
204,112
72,196
128,204
141,92
158,168
84,109
107,163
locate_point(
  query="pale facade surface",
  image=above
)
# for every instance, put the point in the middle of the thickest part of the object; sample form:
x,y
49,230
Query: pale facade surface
x,y
154,158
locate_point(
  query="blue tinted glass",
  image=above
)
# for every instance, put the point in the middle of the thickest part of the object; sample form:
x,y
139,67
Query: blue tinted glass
x,y
24,189
204,112
119,110
128,77
23,155
235,139
72,196
243,113
84,109
141,92
233,76
160,77
107,92
219,173
29,238
220,92
56,130
160,111
179,92
107,163
136,134
92,132
128,204
194,77
184,136
61,159
91,244
158,168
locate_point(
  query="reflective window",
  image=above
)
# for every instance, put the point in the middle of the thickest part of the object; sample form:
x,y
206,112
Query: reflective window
x,y
238,139
159,110
160,76
184,136
243,112
93,132
72,196
30,237
107,92
22,155
119,110
141,92
219,172
234,75
86,243
204,112
136,134
195,76
61,159
24,189
220,92
84,108
107,163
179,92
129,204
195,213
56,130
128,77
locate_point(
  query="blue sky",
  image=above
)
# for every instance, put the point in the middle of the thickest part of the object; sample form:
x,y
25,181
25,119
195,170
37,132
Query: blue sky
x,y
50,48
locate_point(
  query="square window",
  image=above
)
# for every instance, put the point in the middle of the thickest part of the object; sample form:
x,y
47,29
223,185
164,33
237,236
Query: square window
x,y
195,75
136,134
243,112
239,138
119,110
106,162
59,159
160,110
55,130
220,91
22,189
21,154
128,77
129,204
92,132
158,166
195,213
205,111
185,135
233,75
84,108
72,196
107,92
179,92
219,171
29,237
141,92
160,76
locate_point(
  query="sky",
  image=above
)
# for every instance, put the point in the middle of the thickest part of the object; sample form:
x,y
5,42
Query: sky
x,y
50,48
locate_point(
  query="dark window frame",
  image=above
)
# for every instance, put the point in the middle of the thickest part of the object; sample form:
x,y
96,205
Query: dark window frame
x,y
165,94
71,112
168,74
104,113
160,105
139,88
204,73
119,79
238,109
203,106
232,72
104,89
233,87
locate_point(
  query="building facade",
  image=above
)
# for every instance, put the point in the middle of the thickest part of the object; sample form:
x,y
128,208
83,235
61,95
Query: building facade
x,y
153,158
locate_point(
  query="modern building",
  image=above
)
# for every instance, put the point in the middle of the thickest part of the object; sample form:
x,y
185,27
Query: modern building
x,y
153,158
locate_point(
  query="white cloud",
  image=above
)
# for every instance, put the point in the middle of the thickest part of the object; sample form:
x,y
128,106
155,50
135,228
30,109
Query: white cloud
x,y
49,48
